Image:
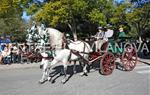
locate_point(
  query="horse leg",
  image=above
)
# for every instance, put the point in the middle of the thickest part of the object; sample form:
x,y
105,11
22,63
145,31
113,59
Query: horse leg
x,y
84,70
42,80
42,63
45,70
74,68
48,73
44,55
65,74
49,69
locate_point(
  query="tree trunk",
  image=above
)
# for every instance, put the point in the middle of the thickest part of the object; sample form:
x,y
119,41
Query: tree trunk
x,y
140,39
75,36
139,31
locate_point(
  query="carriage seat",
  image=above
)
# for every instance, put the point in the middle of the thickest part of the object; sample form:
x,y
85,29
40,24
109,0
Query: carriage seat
x,y
104,46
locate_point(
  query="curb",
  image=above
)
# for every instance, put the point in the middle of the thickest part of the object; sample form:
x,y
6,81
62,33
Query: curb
x,y
145,61
19,66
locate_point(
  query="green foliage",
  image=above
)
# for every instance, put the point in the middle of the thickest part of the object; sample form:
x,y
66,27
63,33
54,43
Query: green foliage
x,y
139,18
63,11
97,17
102,11
52,13
120,13
10,8
10,18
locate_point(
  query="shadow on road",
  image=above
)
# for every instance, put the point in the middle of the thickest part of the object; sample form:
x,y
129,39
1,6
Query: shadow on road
x,y
145,57
119,66
147,63
58,72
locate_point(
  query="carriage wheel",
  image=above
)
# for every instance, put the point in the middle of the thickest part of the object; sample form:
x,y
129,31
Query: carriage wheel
x,y
129,58
107,64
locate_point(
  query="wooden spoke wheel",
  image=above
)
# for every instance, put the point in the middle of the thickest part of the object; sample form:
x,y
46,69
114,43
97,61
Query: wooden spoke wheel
x,y
129,58
107,64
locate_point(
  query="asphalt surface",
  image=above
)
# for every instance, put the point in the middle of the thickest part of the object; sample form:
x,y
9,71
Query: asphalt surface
x,y
24,81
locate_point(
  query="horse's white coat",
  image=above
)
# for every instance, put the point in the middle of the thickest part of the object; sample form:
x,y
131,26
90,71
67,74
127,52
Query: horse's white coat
x,y
65,55
55,38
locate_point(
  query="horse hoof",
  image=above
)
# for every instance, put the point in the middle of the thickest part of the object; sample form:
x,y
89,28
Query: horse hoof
x,y
53,81
74,72
63,81
83,74
41,66
41,82
49,78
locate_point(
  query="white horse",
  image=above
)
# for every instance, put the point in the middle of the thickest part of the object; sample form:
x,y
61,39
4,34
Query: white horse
x,y
48,35
79,50
60,55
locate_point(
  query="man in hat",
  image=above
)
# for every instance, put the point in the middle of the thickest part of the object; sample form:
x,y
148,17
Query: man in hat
x,y
101,38
122,34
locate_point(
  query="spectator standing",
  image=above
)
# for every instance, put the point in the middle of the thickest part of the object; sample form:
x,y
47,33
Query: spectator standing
x,y
5,54
2,42
5,49
15,53
1,45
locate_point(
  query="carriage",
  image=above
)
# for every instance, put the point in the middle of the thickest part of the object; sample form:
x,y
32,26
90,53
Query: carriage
x,y
106,55
110,52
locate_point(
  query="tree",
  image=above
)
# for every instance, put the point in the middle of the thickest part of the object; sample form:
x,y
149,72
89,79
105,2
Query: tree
x,y
102,11
140,19
10,18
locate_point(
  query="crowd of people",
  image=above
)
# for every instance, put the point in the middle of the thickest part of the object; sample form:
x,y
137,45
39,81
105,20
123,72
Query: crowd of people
x,y
14,52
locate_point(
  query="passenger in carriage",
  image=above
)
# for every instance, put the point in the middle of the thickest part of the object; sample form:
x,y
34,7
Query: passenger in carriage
x,y
122,35
100,38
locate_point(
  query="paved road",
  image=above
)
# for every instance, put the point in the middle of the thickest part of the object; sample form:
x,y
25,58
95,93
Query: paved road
x,y
25,82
